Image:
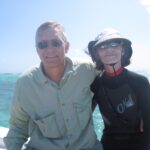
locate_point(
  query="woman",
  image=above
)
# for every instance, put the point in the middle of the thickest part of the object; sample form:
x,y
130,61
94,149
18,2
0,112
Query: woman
x,y
123,96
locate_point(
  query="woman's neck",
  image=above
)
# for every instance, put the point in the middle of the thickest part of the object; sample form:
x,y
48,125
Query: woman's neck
x,y
113,70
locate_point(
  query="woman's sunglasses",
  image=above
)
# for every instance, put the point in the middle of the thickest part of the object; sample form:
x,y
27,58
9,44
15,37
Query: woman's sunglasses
x,y
110,44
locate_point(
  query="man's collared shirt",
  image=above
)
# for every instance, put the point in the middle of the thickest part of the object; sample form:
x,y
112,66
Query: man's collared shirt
x,y
53,116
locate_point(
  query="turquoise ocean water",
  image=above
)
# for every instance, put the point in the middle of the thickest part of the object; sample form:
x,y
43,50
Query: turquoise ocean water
x,y
7,83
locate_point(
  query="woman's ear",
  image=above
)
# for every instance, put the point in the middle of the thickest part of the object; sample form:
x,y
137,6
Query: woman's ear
x,y
122,52
96,56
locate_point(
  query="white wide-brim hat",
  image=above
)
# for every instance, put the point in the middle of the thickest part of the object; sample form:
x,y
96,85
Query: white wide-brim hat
x,y
110,34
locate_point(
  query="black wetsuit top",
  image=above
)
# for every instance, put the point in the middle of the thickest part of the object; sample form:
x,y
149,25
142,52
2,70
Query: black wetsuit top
x,y
124,102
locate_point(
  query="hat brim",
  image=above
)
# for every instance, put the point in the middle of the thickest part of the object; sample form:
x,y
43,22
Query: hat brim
x,y
111,38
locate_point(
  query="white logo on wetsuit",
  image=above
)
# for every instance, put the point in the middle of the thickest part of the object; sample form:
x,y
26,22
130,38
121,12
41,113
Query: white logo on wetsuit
x,y
126,103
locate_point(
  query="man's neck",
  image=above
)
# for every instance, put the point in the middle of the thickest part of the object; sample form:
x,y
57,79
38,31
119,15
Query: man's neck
x,y
55,73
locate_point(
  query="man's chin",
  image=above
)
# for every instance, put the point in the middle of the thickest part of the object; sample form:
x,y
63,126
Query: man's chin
x,y
52,65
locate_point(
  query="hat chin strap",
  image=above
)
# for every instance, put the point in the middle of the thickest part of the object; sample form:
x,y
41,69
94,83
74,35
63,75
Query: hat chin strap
x,y
113,67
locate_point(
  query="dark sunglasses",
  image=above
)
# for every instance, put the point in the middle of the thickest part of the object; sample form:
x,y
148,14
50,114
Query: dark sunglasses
x,y
110,44
55,43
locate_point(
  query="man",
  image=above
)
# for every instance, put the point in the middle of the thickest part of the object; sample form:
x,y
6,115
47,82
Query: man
x,y
51,108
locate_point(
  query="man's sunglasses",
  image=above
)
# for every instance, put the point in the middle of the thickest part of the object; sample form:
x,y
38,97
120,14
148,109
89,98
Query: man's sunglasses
x,y
110,44
55,43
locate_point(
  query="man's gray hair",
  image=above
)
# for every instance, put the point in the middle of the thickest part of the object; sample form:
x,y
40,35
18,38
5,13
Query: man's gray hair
x,y
52,25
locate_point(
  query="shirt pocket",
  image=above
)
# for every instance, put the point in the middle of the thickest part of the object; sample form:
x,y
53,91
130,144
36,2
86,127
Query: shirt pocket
x,y
84,114
48,126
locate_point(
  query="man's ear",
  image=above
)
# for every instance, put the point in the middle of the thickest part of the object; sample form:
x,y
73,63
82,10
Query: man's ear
x,y
67,45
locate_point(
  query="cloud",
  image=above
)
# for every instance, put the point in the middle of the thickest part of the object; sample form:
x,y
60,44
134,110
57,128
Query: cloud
x,y
148,9
146,3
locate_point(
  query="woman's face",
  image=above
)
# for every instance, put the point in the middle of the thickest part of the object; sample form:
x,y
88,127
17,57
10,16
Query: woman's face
x,y
110,52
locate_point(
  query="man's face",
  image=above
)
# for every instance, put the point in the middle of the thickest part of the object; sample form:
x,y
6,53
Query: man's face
x,y
51,48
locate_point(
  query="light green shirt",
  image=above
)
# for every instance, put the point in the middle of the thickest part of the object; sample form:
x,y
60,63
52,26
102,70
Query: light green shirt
x,y
48,116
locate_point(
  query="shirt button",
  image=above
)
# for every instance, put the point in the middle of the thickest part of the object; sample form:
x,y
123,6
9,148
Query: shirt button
x,y
67,145
42,121
46,82
63,104
59,88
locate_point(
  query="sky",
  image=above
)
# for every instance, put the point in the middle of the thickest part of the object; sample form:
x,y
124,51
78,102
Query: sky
x,y
83,21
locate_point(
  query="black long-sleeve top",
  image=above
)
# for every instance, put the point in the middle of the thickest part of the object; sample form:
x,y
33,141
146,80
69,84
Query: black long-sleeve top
x,y
124,102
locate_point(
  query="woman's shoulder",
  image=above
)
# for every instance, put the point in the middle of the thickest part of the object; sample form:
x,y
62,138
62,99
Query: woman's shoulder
x,y
135,75
137,78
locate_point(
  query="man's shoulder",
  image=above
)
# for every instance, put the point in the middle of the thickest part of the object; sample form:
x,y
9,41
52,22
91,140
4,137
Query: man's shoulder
x,y
86,67
83,63
29,72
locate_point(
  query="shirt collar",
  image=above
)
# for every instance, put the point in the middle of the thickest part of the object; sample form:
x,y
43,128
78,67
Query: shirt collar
x,y
41,77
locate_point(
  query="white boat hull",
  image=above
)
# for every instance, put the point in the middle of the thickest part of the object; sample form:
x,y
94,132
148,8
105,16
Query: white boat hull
x,y
3,132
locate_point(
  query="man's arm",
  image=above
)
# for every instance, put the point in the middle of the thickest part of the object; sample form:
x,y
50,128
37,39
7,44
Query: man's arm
x,y
18,131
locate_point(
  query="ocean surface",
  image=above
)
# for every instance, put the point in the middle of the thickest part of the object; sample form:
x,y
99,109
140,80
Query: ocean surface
x,y
7,83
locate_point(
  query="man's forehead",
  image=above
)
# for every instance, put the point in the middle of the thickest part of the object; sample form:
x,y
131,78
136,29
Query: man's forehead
x,y
49,33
